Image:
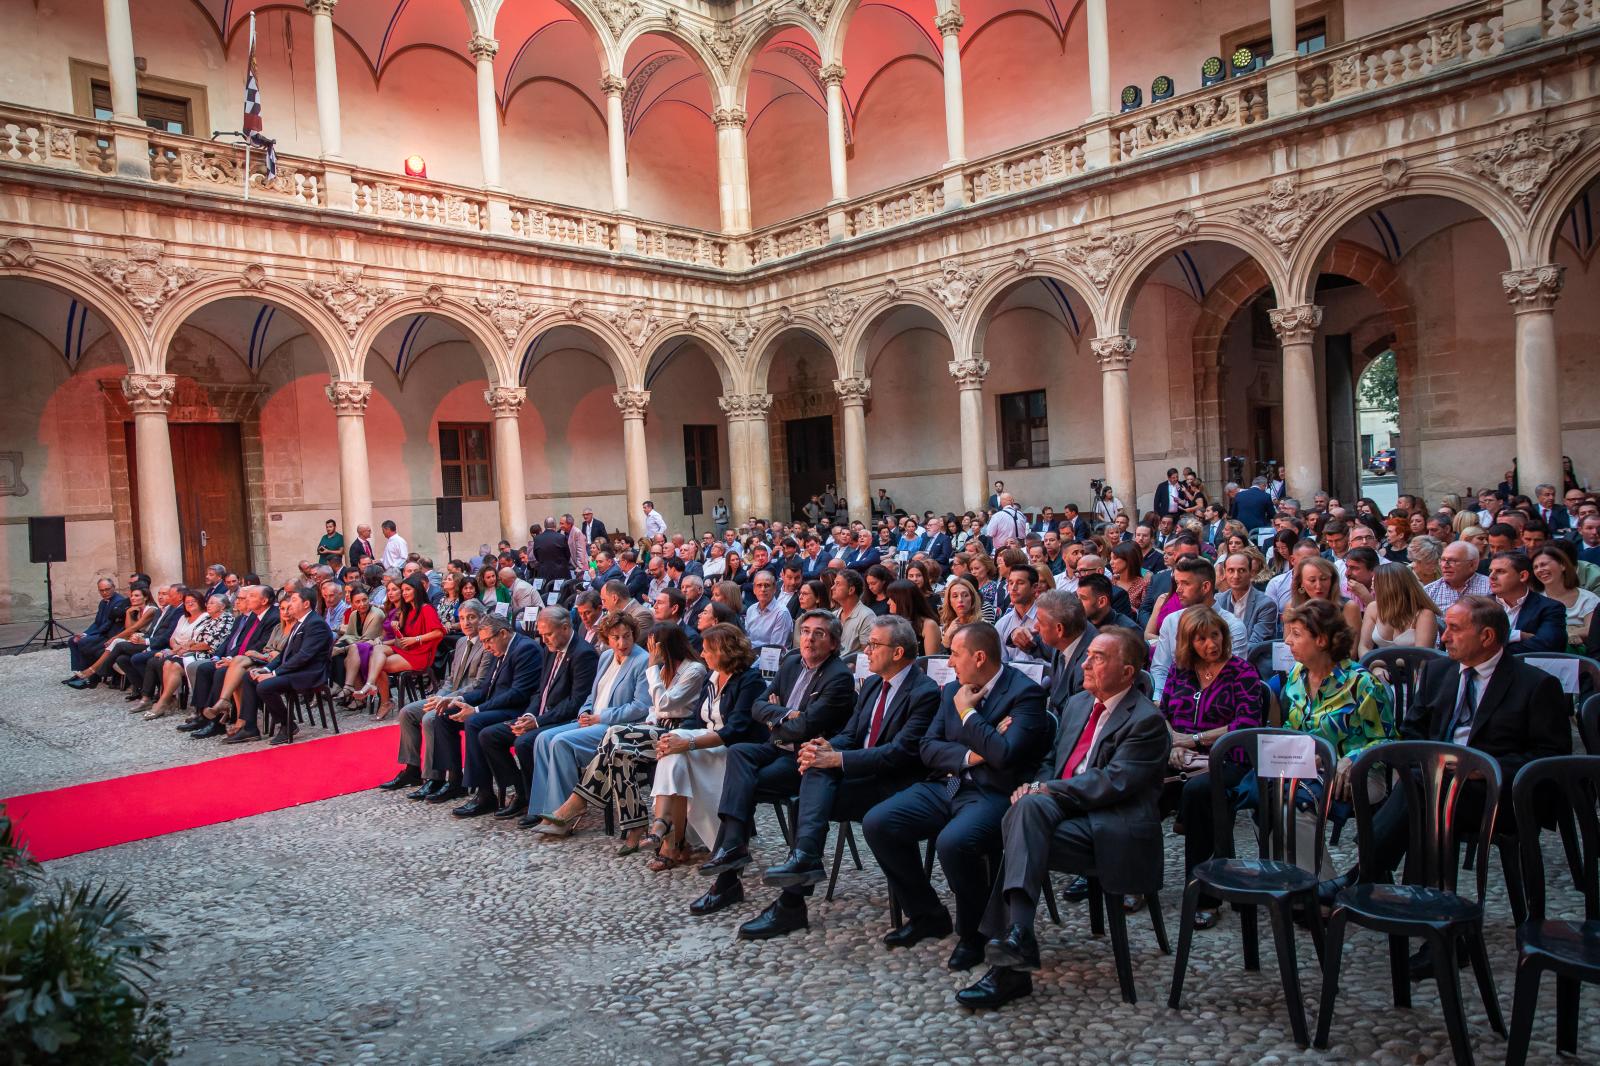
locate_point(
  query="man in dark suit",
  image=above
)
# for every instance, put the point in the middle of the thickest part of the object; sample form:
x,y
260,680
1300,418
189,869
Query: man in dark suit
x,y
143,682
872,758
551,558
937,543
1093,808
632,575
302,665
974,767
811,696
1555,516
1066,633
504,695
1073,522
1166,501
361,547
593,529
256,622
216,583
564,683
1538,623
84,648
1183,544
814,560
1253,506
865,555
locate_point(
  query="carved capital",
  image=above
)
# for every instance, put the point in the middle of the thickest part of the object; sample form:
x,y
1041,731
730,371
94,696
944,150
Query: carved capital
x,y
612,85
949,23
729,118
1114,352
149,394
853,392
504,400
632,402
481,47
969,373
1296,325
1535,289
832,74
321,7
349,397
745,407
145,277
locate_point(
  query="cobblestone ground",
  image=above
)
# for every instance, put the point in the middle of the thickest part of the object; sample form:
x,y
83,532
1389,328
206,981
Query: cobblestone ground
x,y
373,929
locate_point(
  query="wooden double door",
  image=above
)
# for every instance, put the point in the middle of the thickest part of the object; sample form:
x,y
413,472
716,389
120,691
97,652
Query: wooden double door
x,y
208,470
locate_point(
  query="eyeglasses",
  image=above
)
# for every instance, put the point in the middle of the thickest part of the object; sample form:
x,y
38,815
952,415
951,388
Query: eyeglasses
x,y
876,644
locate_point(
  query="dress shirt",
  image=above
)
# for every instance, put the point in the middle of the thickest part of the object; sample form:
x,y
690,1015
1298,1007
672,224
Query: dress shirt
x,y
772,626
1006,527
1511,609
1484,670
607,682
395,552
1444,594
1009,623
1280,588
1099,728
654,525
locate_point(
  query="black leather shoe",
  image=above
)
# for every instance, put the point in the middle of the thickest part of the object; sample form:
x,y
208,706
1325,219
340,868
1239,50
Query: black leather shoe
x,y
529,820
408,777
282,737
428,790
714,901
1017,950
133,694
1132,903
78,683
515,807
1328,891
1207,917
801,869
243,736
449,793
212,728
1077,890
965,955
726,860
934,926
482,803
776,920
189,725
995,989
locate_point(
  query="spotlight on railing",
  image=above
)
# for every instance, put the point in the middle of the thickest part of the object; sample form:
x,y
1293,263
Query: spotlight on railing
x,y
1132,98
1211,71
1161,89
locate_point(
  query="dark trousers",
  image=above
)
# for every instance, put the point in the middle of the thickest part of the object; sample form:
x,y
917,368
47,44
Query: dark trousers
x,y
442,753
1040,834
250,700
752,769
498,744
1199,827
825,796
130,661
151,677
208,675
479,775
272,693
1392,833
966,831
84,651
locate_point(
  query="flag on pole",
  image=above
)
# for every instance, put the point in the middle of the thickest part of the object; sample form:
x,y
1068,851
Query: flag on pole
x,y
252,109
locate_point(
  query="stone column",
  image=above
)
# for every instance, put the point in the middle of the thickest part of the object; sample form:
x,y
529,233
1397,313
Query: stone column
x,y
853,393
738,465
733,169
1114,354
349,400
1285,43
750,451
1099,59
949,24
635,459
616,140
130,136
1283,89
1532,294
510,490
483,50
327,77
1302,436
969,375
833,82
160,538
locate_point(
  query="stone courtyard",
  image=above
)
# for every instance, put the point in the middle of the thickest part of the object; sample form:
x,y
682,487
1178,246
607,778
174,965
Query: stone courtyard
x,y
373,929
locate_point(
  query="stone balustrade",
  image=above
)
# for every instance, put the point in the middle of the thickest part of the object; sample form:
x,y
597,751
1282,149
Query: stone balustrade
x,y
49,139
571,226
427,203
895,207
787,238
1405,53
1562,17
682,245
1020,169
186,162
1235,103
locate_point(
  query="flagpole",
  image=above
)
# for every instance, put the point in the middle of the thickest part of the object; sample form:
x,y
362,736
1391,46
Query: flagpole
x,y
247,169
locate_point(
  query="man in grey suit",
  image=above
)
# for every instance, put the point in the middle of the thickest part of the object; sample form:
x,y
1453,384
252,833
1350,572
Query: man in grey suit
x,y
1247,603
468,667
1093,809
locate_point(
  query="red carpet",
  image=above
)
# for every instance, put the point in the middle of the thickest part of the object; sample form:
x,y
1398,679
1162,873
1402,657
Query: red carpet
x,y
101,814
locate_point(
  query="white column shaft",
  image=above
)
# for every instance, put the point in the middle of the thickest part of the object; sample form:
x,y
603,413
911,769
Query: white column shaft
x,y
1285,35
837,172
488,124
119,56
636,464
327,83
955,120
1302,434
1538,401
617,143
160,539
758,443
1117,415
510,490
739,469
974,464
858,496
733,178
1099,59
355,479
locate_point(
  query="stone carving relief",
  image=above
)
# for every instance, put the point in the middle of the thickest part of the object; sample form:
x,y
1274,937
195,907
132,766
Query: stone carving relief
x,y
481,47
633,95
1295,325
1286,212
1396,174
349,397
433,296
739,333
955,286
1185,120
853,390
636,323
1021,260
149,393
727,118
1114,352
16,252
508,311
505,400
1100,255
1535,289
819,10
837,312
619,14
253,276
632,402
350,298
723,43
145,278
949,22
969,373
746,406
1183,221
1522,164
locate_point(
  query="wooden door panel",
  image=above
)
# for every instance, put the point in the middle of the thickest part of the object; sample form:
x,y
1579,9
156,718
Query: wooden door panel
x,y
208,470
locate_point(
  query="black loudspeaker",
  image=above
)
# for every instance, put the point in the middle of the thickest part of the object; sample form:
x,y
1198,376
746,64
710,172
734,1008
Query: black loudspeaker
x,y
447,510
47,539
692,503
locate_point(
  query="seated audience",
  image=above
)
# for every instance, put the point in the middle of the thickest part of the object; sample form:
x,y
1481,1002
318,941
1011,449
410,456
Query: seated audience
x,y
300,665
1315,578
135,618
1400,615
469,666
1240,598
109,614
1194,585
1538,623
907,601
1554,568
962,606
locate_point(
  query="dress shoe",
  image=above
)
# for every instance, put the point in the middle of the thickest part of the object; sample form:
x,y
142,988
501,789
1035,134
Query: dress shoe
x,y
428,789
281,737
1132,903
515,807
190,724
243,736
934,926
78,683
480,804
776,920
1017,950
1207,917
1077,890
133,694
996,988
530,821
802,868
408,777
1420,964
451,792
965,955
1328,891
212,728
726,860
714,901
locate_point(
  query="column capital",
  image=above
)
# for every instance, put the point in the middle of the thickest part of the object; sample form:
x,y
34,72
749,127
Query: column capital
x,y
505,400
632,402
349,397
1295,325
321,7
746,407
949,23
1534,289
481,47
832,74
149,394
969,373
729,118
853,392
1114,352
613,85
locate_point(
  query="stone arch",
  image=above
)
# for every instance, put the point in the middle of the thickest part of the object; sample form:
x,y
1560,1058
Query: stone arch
x,y
610,343
716,78
712,343
744,61
765,346
993,289
1123,291
329,336
489,345
852,349
1544,224
584,11
837,26
19,262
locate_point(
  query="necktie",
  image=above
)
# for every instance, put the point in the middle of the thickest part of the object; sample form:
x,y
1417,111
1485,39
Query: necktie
x,y
1080,750
1466,705
549,679
244,644
877,715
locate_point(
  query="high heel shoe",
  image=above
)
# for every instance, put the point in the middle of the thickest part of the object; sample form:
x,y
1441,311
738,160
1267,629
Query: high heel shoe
x,y
384,710
652,840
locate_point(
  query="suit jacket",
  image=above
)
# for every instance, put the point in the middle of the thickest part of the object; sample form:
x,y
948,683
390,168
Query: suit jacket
x,y
1009,758
511,678
896,758
691,613
861,560
468,668
569,686
1163,500
304,658
162,625
522,595
638,582
1119,790
1253,507
1080,527
593,530
1066,677
1559,518
1543,623
827,704
107,618
939,549
236,643
630,694
1120,604
551,556
738,697
1259,615
361,549
1521,715
810,568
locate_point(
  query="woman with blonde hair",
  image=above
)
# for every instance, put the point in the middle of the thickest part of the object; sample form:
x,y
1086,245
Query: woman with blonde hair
x,y
1315,578
1401,614
1463,521
962,606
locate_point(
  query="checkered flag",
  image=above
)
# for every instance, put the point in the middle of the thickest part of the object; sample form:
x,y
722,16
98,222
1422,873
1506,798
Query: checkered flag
x,y
252,110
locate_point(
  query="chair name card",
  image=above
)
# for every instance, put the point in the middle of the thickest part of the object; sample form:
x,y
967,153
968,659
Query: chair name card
x,y
1563,670
941,671
768,658
1035,671
863,668
1282,658
529,615
1284,756
503,610
550,598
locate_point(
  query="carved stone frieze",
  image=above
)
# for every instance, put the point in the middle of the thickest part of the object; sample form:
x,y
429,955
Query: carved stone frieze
x,y
837,313
969,373
723,44
633,95
149,394
145,278
619,14
351,299
738,332
1100,255
1523,162
507,311
1114,352
1295,325
955,286
1286,212
632,402
747,406
349,397
853,391
504,400
636,322
1534,289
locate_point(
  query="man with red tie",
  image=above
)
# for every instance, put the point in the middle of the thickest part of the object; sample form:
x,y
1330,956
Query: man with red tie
x,y
1092,810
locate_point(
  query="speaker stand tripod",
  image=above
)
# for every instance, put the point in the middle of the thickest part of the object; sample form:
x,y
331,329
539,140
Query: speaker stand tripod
x,y
46,635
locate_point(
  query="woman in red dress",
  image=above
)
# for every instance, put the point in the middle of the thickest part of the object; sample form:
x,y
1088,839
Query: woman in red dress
x,y
418,633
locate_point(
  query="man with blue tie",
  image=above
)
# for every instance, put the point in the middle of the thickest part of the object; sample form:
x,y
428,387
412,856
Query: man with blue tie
x,y
937,543
85,647
502,696
302,665
988,737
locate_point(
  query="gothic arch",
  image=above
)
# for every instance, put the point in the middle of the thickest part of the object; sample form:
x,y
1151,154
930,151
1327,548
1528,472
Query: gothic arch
x,y
994,288
716,78
610,343
712,343
1154,249
766,342
329,336
744,61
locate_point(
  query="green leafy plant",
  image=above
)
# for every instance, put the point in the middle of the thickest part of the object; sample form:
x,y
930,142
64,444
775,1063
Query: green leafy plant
x,y
73,969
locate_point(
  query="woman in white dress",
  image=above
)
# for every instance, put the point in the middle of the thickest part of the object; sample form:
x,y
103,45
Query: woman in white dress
x,y
1401,614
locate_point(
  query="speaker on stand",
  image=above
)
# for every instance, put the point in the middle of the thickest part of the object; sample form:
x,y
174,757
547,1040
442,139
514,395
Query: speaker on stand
x,y
693,506
447,520
47,543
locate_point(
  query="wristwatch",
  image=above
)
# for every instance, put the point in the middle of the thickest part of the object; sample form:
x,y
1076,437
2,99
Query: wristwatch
x,y
1196,738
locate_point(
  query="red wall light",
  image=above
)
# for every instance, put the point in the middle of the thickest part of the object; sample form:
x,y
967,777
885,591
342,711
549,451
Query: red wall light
x,y
416,167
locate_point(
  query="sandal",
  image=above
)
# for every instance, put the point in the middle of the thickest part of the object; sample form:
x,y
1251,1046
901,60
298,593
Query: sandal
x,y
652,840
661,864
384,710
